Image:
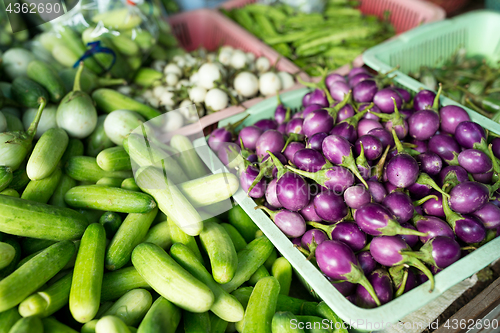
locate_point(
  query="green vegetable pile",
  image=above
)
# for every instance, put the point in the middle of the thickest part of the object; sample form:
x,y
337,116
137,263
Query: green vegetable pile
x,y
330,39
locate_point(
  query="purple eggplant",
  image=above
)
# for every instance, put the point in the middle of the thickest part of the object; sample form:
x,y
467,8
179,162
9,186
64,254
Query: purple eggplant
x,y
383,135
346,232
400,205
246,180
296,241
387,251
306,99
338,90
219,136
386,99
423,124
430,163
468,197
453,175
310,160
345,288
377,191
270,140
354,80
373,147
330,206
317,121
357,196
382,284
405,95
318,96
362,163
402,169
309,213
418,191
316,141
271,194
475,161
451,116
433,227
347,128
419,145
229,154
310,108
281,114
394,121
355,71
335,178
446,147
292,148
495,147
403,279
489,214
282,128
366,125
434,207
439,252
337,261
424,99
424,185
292,224
366,261
312,238
332,78
471,135
411,240
299,114
406,113
345,113
365,91
485,178
249,136
266,124
374,219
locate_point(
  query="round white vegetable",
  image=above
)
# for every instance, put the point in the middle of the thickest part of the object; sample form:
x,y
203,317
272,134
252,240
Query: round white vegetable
x,y
172,68
207,74
194,78
3,123
269,84
118,124
154,101
171,79
287,80
197,94
216,99
188,111
179,60
226,48
238,59
158,91
211,57
225,57
147,94
173,120
250,57
125,90
246,84
262,64
167,99
159,65
182,83
15,62
79,120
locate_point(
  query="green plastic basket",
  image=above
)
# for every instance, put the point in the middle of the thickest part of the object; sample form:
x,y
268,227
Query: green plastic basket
x,y
389,313
493,4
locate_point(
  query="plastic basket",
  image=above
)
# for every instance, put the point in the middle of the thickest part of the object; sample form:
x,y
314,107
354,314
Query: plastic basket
x,y
493,4
210,29
450,6
391,312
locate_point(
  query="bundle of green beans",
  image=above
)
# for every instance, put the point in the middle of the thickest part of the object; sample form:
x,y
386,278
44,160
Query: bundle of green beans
x,y
330,39
471,81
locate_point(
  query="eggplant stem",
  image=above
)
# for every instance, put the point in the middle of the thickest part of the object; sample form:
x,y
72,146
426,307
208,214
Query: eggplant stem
x,y
350,163
423,200
103,82
468,248
76,84
412,261
368,286
31,131
402,287
407,231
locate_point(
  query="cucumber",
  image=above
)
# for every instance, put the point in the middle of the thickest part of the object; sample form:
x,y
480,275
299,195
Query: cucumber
x,y
89,327
217,325
283,322
84,297
162,317
91,215
261,306
125,45
220,250
51,325
32,245
15,62
131,232
211,189
131,307
8,319
36,220
6,177
7,254
41,190
65,183
259,274
179,236
64,55
108,100
19,180
98,140
118,283
73,42
27,92
188,158
170,280
146,77
111,182
33,274
111,221
89,81
46,154
270,260
159,235
111,324
314,324
282,271
324,311
196,322
225,306
74,148
114,159
10,192
105,306
7,270
85,168
242,222
249,260
46,302
28,325
238,240
109,199
13,122
129,184
43,74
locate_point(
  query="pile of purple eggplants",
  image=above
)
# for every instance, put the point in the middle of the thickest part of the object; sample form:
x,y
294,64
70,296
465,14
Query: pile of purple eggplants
x,y
378,189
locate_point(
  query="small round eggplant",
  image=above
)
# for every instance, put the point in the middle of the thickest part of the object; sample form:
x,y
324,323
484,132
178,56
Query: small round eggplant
x,y
270,140
354,80
433,227
292,224
430,163
345,288
383,99
439,252
357,196
318,96
400,205
249,136
310,108
366,261
446,147
316,122
292,148
309,213
382,284
350,234
332,78
423,124
377,191
247,178
372,145
453,175
383,135
451,116
309,160
366,125
345,113
271,195
338,90
411,240
468,197
316,140
469,134
217,137
314,235
330,206
335,178
489,214
475,161
266,124
424,99
434,207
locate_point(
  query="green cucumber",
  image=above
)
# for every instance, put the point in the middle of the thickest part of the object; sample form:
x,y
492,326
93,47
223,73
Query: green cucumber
x,y
259,274
51,325
84,297
74,148
243,223
196,322
131,232
109,199
170,280
159,235
283,322
131,307
270,260
89,327
261,306
28,325
85,168
91,215
65,184
314,324
73,42
188,158
210,189
41,190
111,324
27,92
20,179
6,177
170,200
33,274
225,306
7,254
114,159
217,325
129,184
43,74
249,260
118,283
98,140
179,236
105,306
46,154
8,319
10,192
282,271
108,100
238,240
32,245
220,250
36,220
324,311
111,221
146,77
7,270
162,317
111,182
46,302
